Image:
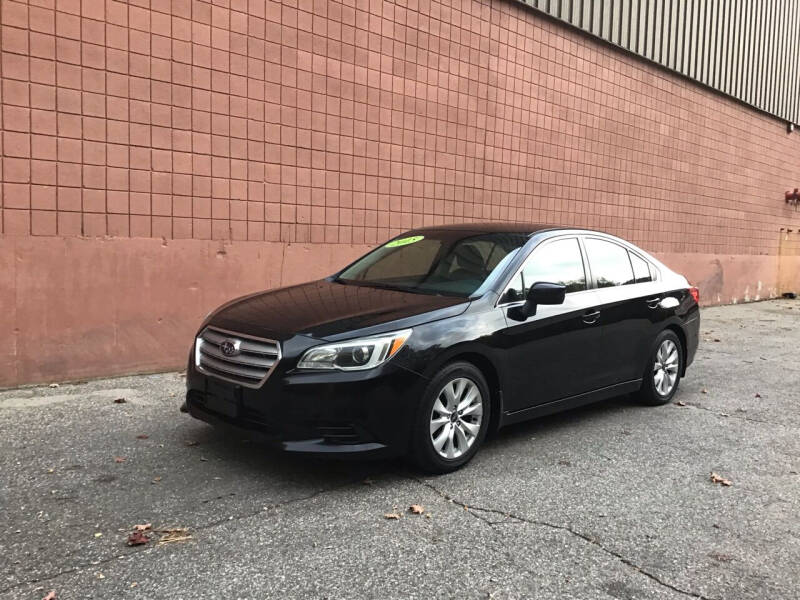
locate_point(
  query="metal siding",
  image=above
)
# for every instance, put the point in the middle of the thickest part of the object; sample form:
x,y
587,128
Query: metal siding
x,y
790,74
680,34
723,20
625,24
748,49
794,76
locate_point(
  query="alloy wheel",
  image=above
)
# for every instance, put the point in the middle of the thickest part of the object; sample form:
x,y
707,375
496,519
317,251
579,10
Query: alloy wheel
x,y
456,417
665,369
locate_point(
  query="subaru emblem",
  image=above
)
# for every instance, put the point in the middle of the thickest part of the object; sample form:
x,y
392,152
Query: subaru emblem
x,y
229,347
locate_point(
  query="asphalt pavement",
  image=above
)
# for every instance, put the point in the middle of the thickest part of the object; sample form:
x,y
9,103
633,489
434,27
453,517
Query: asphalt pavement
x,y
613,500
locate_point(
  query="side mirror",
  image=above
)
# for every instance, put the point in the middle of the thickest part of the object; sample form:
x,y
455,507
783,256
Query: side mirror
x,y
539,293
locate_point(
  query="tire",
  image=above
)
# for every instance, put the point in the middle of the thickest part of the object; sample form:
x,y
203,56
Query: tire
x,y
468,427
666,357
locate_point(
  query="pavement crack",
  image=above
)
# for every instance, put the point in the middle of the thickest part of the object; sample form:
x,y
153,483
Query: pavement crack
x,y
149,549
725,415
269,507
509,516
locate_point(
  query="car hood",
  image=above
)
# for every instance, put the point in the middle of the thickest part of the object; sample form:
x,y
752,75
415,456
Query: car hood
x,y
328,310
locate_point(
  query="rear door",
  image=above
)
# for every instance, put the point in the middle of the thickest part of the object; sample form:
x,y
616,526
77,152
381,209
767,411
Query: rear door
x,y
554,353
622,281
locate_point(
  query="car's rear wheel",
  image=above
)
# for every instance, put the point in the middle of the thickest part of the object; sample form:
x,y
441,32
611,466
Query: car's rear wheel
x,y
663,371
452,420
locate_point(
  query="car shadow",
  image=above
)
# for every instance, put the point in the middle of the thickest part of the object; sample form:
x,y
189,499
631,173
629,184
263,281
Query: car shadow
x,y
566,420
246,453
243,452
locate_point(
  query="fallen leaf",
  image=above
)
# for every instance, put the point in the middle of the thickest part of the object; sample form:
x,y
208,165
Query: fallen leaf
x,y
170,536
100,576
119,459
142,436
391,516
50,596
142,527
758,395
120,401
416,509
134,584
138,538
721,480
156,479
704,391
681,403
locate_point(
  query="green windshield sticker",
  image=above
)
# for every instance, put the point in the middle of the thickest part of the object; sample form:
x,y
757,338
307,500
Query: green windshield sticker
x,y
405,241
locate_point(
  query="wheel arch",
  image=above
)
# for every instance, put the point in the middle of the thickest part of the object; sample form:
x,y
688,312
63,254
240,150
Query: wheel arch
x,y
489,371
678,330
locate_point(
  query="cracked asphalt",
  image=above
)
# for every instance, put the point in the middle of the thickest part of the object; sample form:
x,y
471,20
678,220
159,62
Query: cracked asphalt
x,y
609,501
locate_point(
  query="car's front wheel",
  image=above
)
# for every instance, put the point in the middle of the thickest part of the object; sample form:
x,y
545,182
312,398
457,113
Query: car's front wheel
x,y
663,371
452,420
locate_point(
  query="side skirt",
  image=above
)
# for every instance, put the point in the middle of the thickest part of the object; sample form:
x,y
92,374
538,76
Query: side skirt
x,y
571,402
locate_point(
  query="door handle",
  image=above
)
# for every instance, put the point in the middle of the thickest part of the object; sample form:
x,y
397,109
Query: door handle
x,y
653,302
591,317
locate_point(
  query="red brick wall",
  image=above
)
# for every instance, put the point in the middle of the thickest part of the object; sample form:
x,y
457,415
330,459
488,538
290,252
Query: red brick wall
x,y
342,123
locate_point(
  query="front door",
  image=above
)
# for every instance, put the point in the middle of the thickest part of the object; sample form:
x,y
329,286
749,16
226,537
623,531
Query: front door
x,y
553,354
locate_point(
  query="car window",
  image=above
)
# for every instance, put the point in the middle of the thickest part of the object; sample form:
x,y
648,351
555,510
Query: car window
x,y
609,263
641,269
559,261
438,263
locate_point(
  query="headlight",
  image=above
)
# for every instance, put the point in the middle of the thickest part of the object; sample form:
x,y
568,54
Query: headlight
x,y
355,355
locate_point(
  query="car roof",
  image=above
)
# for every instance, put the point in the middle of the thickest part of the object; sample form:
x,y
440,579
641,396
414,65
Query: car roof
x,y
525,228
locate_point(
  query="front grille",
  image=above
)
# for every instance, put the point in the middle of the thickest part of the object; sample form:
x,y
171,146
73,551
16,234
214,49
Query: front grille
x,y
250,364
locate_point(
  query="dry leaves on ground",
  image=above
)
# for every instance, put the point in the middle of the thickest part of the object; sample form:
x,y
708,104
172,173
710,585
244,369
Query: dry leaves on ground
x,y
176,534
416,509
138,538
721,480
391,516
167,535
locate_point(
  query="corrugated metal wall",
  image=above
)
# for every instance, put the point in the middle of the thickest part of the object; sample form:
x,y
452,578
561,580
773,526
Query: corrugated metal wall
x,y
749,49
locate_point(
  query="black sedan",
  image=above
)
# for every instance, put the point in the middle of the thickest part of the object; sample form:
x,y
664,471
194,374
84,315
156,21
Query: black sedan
x,y
440,337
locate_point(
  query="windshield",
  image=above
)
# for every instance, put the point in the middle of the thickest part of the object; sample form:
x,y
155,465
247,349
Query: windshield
x,y
443,262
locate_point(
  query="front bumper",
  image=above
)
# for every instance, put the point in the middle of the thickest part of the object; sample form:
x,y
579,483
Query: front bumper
x,y
367,413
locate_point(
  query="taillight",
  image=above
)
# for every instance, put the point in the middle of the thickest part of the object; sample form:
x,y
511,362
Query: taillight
x,y
695,294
